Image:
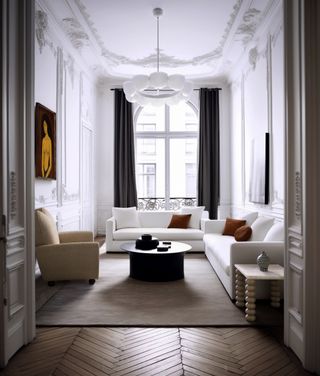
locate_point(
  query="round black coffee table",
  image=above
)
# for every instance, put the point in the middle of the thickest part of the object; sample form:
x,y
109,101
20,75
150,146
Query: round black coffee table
x,y
154,266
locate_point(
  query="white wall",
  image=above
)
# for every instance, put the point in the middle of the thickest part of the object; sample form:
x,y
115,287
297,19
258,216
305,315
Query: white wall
x,y
63,84
256,107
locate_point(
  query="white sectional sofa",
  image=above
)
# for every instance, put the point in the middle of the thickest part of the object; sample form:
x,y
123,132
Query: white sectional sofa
x,y
155,223
223,251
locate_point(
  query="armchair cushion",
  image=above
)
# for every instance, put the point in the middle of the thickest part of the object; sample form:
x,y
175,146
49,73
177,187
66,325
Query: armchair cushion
x,y
68,261
46,230
75,236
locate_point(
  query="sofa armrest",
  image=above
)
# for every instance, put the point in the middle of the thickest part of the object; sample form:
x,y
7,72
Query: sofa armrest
x,y
75,236
68,261
247,252
215,226
110,229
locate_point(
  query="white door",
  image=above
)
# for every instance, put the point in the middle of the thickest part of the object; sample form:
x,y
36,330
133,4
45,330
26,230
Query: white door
x,y
87,178
16,144
302,305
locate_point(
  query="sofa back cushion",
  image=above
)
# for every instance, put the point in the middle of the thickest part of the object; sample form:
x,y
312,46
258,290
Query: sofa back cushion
x,y
46,229
196,215
260,227
126,217
250,217
276,233
155,219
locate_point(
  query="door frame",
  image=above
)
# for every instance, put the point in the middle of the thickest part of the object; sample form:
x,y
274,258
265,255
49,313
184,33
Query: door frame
x,y
30,168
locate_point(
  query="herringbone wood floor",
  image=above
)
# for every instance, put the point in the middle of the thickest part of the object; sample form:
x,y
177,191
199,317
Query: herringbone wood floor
x,y
153,351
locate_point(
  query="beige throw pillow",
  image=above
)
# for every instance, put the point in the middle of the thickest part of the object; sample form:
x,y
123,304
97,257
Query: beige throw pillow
x,y
46,230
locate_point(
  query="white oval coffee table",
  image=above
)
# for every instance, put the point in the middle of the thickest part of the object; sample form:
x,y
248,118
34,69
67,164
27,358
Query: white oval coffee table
x,y
155,266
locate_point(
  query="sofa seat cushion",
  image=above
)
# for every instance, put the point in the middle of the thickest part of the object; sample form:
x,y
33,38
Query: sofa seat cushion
x,y
219,246
177,234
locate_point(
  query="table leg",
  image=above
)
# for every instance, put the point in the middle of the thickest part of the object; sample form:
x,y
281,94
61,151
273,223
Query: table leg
x,y
239,289
275,294
250,299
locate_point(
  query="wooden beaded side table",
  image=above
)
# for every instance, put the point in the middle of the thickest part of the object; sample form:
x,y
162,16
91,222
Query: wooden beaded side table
x,y
246,277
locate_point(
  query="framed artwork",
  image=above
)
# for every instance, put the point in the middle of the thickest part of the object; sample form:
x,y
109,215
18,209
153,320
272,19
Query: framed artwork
x,y
45,142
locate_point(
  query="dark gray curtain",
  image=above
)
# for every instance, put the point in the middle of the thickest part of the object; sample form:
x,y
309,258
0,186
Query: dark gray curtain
x,y
209,150
125,191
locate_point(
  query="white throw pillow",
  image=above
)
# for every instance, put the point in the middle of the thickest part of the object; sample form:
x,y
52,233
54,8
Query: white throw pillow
x,y
276,233
196,214
260,227
250,218
126,217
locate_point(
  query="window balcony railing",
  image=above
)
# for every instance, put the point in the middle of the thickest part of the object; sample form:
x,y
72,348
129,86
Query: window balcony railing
x,y
159,203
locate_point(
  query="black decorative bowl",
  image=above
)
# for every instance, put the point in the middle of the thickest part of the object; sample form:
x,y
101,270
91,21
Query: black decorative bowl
x,y
147,242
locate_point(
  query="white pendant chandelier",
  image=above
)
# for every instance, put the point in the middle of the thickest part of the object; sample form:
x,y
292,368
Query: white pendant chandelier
x,y
158,88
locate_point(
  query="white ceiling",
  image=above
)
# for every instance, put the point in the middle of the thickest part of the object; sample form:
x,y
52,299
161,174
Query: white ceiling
x,y
198,38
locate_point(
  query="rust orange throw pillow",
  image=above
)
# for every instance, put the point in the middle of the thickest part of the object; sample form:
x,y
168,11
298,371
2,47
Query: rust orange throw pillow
x,y
232,225
243,233
180,221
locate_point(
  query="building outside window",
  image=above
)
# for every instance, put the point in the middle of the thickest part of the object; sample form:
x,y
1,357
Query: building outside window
x,y
166,156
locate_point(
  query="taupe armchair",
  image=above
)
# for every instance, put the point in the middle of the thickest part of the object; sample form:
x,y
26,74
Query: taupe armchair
x,y
66,255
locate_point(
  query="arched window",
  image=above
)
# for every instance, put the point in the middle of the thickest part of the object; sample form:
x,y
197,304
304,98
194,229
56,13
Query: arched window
x,y
166,156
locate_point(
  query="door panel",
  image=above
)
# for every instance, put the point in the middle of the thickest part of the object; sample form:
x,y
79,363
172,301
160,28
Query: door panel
x,y
13,183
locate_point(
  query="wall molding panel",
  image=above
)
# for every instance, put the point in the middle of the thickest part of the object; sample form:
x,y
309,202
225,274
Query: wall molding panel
x,y
260,73
70,93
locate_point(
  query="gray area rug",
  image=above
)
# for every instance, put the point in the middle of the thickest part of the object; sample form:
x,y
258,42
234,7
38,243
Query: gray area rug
x,y
116,299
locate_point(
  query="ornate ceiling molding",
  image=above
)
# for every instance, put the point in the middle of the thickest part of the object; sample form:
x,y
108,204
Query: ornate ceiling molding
x,y
246,30
114,59
78,37
42,30
41,21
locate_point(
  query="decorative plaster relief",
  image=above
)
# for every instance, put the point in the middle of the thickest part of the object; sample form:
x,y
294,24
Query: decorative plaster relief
x,y
166,60
78,37
248,27
41,31
69,196
253,56
41,21
46,200
69,64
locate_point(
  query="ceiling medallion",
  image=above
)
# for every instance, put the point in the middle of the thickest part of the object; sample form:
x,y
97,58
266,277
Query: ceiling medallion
x,y
158,88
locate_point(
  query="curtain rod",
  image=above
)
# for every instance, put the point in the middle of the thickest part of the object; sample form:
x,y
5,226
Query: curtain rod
x,y
217,88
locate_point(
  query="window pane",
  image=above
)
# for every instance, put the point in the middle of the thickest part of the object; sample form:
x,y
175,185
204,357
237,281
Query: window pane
x,y
183,167
151,119
150,169
183,118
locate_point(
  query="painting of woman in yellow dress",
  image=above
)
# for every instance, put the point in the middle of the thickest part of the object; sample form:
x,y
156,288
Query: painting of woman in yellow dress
x,y
45,143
